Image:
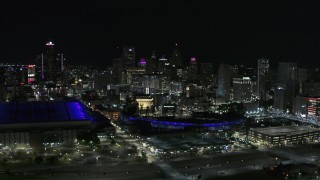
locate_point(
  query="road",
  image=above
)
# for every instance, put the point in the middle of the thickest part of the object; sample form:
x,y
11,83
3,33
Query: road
x,y
226,164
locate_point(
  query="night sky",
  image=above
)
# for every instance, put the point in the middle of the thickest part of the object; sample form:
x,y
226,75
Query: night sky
x,y
89,33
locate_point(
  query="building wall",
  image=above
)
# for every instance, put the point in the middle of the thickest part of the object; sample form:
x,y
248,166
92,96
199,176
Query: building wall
x,y
263,70
313,108
283,139
300,106
11,138
38,138
242,89
279,100
311,88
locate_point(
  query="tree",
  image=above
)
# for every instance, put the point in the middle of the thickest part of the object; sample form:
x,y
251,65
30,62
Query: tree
x,y
144,155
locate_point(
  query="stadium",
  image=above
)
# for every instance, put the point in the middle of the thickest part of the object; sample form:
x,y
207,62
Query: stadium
x,y
38,122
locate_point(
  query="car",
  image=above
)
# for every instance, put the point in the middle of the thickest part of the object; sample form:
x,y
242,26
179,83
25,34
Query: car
x,y
187,167
128,172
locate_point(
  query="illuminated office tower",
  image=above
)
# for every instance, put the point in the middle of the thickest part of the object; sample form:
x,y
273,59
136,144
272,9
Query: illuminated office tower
x,y
242,89
280,102
51,64
31,73
163,65
142,62
313,108
263,70
193,69
61,63
39,63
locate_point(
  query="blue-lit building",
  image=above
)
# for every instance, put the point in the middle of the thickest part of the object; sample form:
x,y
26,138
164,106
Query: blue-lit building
x,y
36,123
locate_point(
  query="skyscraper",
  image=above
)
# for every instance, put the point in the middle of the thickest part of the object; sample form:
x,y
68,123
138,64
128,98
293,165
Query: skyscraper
x,y
176,64
206,69
176,58
288,78
129,56
163,65
39,62
242,89
263,69
117,64
280,102
206,72
193,69
287,71
151,67
51,64
224,82
142,62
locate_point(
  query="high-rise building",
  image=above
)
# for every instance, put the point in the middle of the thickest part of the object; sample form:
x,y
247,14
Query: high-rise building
x,y
51,64
164,66
242,89
193,65
207,76
288,77
206,69
302,77
39,62
313,108
132,71
129,57
31,73
299,107
61,62
142,62
287,71
225,75
152,63
263,69
193,69
118,69
279,100
176,58
311,89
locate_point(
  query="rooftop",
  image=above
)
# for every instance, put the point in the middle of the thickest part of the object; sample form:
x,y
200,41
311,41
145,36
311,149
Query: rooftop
x,y
42,112
287,130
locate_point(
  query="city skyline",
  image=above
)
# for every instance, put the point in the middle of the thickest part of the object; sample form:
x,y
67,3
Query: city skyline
x,y
239,33
159,90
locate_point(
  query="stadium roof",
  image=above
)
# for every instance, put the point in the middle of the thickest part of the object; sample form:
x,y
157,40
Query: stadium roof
x,y
42,112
